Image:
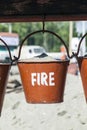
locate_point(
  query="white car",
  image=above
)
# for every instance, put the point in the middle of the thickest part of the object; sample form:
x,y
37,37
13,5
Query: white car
x,y
29,51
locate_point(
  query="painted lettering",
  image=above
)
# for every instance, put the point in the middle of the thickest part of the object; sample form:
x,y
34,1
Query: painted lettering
x,y
33,78
38,79
51,79
43,79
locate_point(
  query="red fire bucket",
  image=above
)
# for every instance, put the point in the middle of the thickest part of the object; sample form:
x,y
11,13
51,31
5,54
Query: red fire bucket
x,y
4,71
43,81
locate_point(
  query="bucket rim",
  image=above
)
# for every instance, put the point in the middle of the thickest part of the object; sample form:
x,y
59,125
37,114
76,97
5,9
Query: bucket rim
x,y
84,57
42,62
4,63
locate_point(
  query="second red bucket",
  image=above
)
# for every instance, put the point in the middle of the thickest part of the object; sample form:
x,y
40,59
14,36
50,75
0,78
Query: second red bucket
x,y
4,72
82,63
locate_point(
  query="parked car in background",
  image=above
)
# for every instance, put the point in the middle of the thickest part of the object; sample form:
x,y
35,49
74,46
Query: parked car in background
x,y
29,51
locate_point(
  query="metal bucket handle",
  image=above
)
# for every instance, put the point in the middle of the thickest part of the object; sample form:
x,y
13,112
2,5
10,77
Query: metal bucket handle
x,y
76,54
47,31
7,49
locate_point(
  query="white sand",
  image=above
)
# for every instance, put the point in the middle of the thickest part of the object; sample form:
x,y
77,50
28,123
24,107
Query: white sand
x,y
69,115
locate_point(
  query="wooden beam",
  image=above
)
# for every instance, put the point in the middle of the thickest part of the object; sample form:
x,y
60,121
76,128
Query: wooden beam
x,y
40,18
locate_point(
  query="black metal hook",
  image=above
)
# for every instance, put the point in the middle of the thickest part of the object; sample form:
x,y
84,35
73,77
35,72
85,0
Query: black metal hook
x,y
46,31
80,44
44,22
